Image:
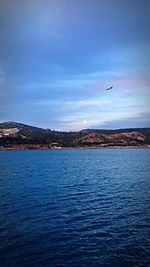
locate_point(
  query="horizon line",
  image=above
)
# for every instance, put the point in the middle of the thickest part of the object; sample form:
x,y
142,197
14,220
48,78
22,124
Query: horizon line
x,y
86,129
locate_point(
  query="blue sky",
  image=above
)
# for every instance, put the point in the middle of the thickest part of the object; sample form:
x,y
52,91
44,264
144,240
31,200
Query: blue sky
x,y
57,57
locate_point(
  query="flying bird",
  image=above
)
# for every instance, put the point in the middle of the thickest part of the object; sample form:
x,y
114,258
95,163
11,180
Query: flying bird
x,y
109,88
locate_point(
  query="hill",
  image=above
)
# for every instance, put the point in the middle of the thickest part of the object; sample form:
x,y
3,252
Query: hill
x,y
18,135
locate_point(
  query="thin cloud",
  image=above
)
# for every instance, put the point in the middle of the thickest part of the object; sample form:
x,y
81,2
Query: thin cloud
x,y
60,56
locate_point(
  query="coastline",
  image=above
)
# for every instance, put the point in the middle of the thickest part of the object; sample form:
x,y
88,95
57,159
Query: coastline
x,y
70,148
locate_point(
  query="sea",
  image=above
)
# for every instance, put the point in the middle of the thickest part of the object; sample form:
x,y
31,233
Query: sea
x,y
75,208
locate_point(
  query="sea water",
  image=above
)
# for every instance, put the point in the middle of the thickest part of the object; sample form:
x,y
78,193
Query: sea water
x,y
74,208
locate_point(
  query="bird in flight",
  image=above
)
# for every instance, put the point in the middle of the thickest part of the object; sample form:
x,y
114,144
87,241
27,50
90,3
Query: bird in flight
x,y
109,88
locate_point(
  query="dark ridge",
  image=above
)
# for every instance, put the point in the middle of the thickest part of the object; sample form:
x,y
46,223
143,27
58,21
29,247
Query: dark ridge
x,y
12,124
14,134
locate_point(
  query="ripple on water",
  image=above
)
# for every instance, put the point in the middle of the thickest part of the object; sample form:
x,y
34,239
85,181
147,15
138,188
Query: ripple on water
x,y
78,208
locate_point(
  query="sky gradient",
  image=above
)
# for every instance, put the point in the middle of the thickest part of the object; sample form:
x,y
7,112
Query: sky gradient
x,y
57,57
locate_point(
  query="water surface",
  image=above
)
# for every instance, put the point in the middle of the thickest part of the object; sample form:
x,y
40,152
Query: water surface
x,y
75,208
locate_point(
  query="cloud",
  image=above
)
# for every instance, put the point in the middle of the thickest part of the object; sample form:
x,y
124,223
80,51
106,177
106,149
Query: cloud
x,y
99,120
60,56
95,111
3,94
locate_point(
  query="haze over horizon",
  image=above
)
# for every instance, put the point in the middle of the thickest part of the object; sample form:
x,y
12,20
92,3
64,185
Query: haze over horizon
x,y
57,58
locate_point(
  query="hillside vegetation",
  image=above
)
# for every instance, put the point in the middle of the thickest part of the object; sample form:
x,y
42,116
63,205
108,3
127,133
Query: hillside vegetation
x,y
17,135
